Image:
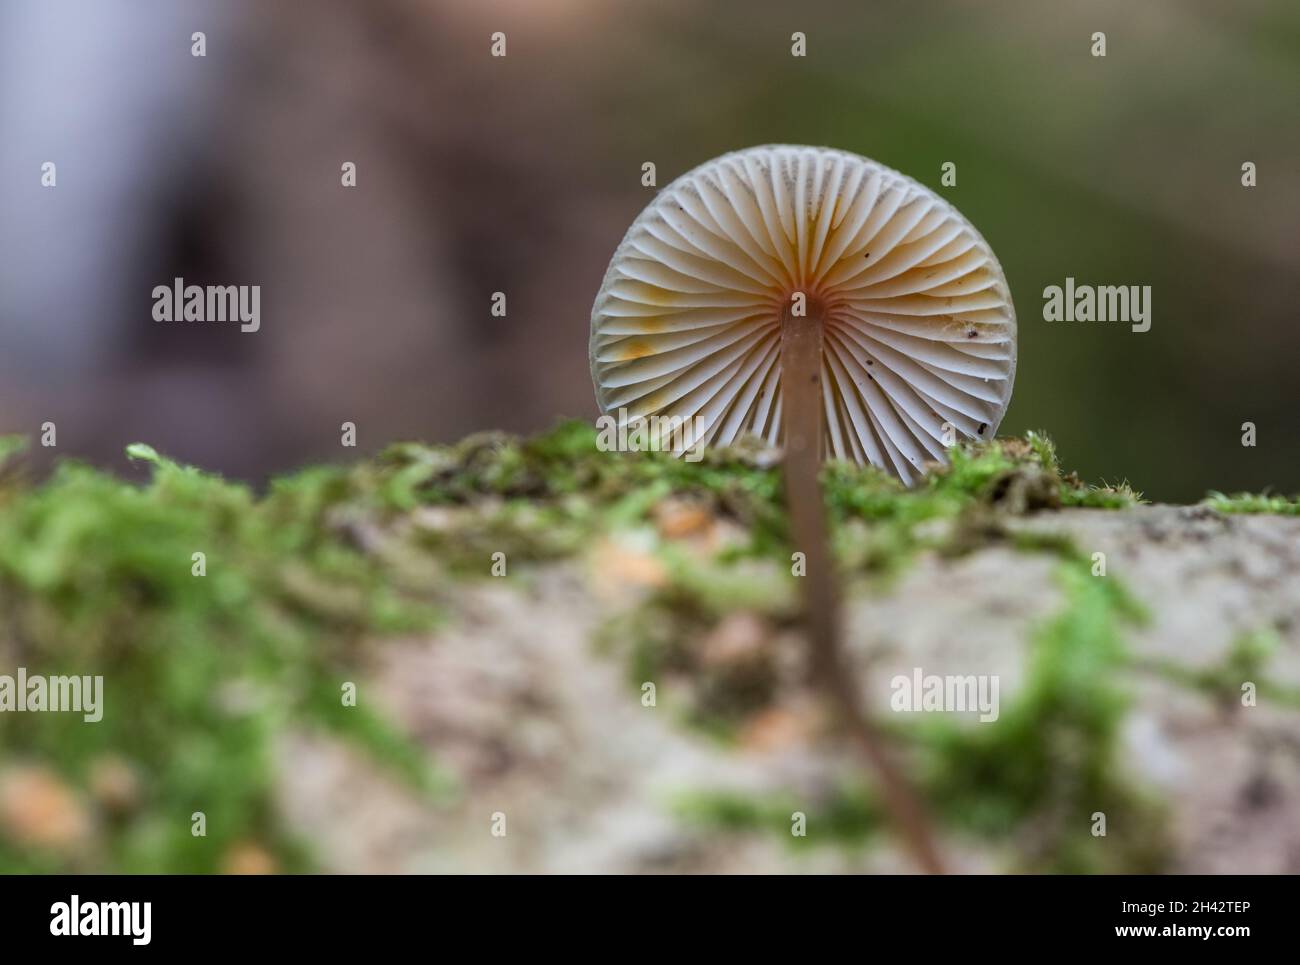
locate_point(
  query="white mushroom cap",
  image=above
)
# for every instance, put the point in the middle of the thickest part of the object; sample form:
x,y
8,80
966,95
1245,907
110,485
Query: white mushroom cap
x,y
919,326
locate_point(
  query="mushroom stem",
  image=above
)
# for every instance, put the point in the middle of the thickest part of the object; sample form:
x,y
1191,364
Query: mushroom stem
x,y
801,380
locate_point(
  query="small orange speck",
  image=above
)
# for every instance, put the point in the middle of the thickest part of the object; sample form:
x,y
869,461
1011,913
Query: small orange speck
x,y
648,294
635,348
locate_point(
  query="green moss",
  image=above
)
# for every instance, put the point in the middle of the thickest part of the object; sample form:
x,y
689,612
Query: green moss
x,y
201,672
544,497
850,816
1246,661
1047,764
1051,756
1253,503
204,674
1121,495
879,527
11,446
1044,450
661,639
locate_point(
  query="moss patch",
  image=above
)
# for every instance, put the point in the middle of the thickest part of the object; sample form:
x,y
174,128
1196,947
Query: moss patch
x,y
1245,662
201,673
204,673
1038,775
1253,503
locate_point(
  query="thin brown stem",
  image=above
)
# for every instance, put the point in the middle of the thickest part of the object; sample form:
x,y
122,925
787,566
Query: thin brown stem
x,y
801,380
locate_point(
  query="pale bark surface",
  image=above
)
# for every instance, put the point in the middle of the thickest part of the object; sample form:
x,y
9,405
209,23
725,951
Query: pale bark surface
x,y
533,719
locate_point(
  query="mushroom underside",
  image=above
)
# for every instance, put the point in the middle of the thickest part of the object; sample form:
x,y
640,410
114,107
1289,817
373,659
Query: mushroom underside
x,y
918,346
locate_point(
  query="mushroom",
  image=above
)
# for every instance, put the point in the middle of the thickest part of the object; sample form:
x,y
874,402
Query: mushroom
x,y
826,303
908,322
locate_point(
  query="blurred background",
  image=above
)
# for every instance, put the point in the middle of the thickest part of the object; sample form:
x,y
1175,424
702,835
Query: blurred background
x,y
520,174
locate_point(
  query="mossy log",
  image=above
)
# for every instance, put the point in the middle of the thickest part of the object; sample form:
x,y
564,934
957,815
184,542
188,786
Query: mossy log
x,y
530,655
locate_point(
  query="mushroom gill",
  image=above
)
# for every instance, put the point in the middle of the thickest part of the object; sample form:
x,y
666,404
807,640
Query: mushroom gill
x,y
918,331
